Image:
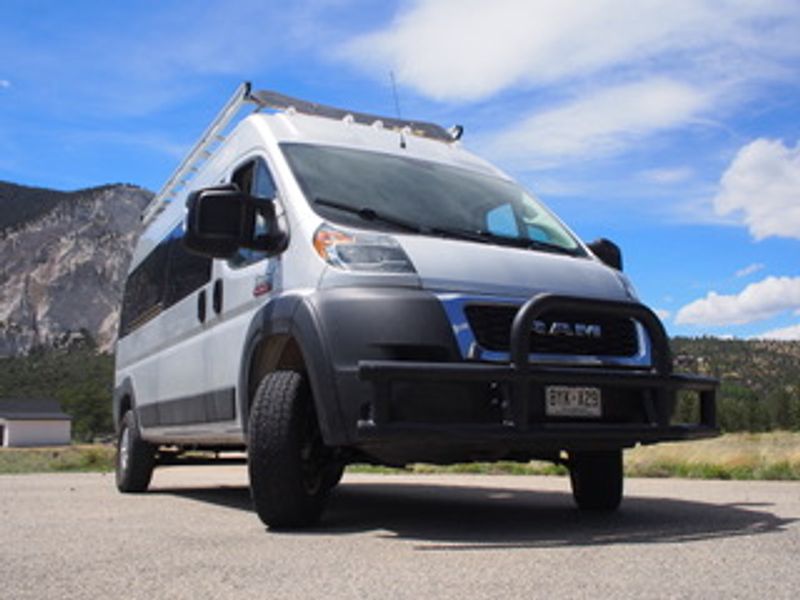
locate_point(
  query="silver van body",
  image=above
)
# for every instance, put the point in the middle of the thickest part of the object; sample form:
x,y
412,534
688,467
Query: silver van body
x,y
422,304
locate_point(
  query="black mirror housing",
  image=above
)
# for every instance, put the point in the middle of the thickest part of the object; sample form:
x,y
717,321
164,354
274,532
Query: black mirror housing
x,y
608,252
220,220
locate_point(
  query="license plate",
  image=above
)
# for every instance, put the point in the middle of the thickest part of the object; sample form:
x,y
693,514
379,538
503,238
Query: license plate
x,y
568,401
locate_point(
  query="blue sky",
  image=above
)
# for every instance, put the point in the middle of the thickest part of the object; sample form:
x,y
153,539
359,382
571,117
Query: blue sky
x,y
669,126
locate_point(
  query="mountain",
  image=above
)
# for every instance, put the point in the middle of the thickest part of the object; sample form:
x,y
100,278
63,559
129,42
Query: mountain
x,y
760,380
63,260
758,365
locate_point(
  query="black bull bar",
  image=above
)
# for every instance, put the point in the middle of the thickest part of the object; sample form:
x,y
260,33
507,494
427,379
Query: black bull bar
x,y
519,374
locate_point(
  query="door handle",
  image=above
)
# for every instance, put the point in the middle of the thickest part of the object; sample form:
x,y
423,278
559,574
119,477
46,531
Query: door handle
x,y
201,306
216,300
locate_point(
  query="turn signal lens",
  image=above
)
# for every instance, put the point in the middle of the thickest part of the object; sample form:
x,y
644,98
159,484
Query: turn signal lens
x,y
361,251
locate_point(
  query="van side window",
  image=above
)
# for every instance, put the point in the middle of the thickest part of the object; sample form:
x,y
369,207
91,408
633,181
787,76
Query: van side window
x,y
255,179
264,185
187,271
144,291
166,276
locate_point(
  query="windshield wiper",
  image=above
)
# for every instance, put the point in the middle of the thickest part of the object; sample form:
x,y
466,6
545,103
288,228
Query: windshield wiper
x,y
526,243
487,237
480,236
459,234
368,214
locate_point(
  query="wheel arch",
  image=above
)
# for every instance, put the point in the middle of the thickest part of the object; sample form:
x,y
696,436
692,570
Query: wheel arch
x,y
286,334
123,401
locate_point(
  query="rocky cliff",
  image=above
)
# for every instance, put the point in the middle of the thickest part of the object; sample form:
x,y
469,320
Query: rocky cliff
x,y
63,259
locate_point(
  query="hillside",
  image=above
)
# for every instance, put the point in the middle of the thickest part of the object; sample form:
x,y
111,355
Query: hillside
x,y
20,204
63,259
759,365
760,379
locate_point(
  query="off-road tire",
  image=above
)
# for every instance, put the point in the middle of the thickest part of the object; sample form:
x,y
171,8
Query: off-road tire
x,y
596,479
333,475
286,458
135,458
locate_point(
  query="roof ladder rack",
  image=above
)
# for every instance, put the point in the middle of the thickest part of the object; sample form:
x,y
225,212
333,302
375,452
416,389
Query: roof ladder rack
x,y
201,152
278,102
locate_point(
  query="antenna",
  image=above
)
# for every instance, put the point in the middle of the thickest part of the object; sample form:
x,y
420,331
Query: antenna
x,y
397,108
396,98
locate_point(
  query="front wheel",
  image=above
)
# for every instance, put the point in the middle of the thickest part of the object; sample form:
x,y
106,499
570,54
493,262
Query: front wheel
x,y
596,479
135,458
289,466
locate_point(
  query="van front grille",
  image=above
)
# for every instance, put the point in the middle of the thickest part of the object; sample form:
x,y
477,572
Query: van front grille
x,y
613,336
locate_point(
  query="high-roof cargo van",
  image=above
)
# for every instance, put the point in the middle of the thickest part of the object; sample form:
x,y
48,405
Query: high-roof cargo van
x,y
322,287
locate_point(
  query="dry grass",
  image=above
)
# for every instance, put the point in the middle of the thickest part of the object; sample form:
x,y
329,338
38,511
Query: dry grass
x,y
87,457
774,455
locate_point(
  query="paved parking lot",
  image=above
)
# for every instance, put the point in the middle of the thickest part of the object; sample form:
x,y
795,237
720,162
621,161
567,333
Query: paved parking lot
x,y
417,536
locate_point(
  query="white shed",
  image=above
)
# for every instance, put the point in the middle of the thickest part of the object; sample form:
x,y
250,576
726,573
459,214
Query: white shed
x,y
33,422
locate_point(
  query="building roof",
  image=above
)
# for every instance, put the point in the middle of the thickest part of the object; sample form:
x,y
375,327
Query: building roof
x,y
31,409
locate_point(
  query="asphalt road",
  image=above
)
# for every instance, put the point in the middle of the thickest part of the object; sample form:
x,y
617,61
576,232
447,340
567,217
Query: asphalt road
x,y
195,536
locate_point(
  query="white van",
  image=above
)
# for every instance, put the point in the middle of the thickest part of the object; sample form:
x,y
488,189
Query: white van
x,y
323,287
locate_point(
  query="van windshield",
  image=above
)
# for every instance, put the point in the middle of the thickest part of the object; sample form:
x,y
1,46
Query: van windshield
x,y
359,188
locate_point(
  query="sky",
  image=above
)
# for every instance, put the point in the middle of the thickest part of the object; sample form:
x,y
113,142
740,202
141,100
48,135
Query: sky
x,y
671,127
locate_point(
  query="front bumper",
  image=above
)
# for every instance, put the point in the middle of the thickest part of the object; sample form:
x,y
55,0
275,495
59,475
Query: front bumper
x,y
519,427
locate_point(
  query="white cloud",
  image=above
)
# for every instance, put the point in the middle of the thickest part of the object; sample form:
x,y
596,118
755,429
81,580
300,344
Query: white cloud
x,y
756,302
762,185
585,79
749,270
472,49
784,333
600,124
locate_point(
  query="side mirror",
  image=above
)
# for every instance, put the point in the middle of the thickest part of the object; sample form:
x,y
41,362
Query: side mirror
x,y
608,252
222,219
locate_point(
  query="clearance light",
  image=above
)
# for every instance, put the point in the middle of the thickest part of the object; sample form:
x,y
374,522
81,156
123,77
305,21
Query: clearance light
x,y
361,251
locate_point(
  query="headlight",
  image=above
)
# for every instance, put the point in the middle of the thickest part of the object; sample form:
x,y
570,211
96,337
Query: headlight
x,y
361,251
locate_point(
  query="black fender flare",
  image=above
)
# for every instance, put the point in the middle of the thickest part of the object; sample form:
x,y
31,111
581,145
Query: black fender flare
x,y
291,316
122,391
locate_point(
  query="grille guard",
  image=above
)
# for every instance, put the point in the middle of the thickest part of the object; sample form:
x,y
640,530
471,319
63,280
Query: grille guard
x,y
520,373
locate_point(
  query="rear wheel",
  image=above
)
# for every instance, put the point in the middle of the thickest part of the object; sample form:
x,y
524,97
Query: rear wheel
x,y
596,479
289,466
135,458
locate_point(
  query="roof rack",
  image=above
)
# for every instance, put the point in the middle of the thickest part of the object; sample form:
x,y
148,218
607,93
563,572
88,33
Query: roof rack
x,y
202,150
278,101
214,134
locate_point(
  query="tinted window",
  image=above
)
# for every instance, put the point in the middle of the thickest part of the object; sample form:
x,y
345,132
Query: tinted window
x,y
186,272
429,196
144,291
166,276
255,179
264,185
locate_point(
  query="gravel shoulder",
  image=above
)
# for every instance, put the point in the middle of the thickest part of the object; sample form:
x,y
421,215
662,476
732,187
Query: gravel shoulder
x,y
401,536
